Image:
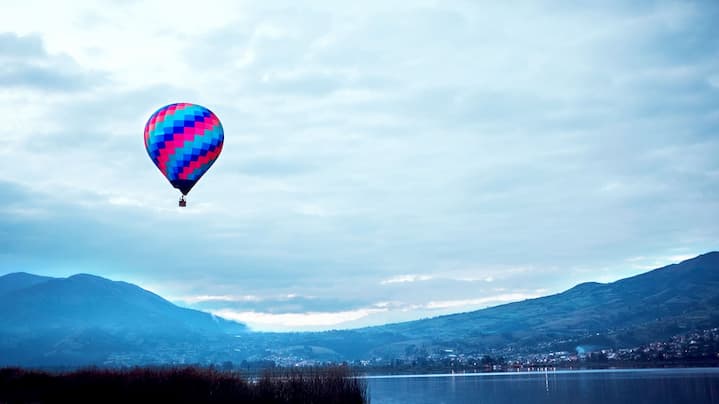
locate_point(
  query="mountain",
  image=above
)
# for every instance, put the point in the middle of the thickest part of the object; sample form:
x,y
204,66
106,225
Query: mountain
x,y
643,308
83,301
67,317
85,319
19,280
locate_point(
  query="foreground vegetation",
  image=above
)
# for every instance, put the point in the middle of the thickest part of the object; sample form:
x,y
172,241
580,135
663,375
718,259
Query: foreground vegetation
x,y
181,385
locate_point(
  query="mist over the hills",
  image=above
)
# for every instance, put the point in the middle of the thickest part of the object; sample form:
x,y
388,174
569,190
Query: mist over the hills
x,y
85,319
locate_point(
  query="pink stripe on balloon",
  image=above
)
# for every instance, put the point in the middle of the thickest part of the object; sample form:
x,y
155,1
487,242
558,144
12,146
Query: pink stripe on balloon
x,y
194,165
163,155
188,134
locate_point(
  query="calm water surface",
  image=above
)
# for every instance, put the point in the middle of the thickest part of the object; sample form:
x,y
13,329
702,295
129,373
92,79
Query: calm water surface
x,y
655,386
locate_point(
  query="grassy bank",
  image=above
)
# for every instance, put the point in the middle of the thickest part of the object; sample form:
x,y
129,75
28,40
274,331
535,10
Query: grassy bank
x,y
181,385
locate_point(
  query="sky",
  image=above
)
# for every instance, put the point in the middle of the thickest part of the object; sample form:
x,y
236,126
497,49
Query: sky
x,y
383,160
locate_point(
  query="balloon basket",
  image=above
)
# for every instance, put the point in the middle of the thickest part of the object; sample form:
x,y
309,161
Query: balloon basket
x,y
182,202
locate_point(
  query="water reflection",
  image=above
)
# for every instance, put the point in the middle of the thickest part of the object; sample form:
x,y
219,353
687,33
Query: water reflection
x,y
660,386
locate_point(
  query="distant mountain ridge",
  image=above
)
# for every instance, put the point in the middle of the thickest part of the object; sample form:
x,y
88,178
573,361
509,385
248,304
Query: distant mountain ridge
x,y
656,304
43,312
86,319
84,300
19,280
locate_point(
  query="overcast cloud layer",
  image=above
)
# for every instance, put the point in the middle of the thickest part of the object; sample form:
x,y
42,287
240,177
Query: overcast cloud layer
x,y
382,161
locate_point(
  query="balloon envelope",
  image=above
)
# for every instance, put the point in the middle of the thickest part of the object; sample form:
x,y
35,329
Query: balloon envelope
x,y
183,140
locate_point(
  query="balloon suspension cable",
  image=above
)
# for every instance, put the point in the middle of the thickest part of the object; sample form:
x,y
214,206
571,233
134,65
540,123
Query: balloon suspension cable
x,y
182,202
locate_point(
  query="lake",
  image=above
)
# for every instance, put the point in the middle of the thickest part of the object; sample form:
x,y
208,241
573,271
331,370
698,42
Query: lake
x,y
635,386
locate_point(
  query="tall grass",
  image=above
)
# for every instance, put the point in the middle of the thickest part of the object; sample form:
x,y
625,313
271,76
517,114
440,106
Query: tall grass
x,y
182,385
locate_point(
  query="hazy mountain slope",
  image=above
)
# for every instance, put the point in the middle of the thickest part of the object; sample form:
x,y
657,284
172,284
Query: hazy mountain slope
x,y
674,290
87,301
84,318
19,280
652,305
87,319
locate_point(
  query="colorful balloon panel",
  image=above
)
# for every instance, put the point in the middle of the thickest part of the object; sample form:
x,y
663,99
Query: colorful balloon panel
x,y
183,140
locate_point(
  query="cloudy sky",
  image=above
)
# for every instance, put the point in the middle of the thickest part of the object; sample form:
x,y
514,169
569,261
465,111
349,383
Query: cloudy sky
x,y
382,162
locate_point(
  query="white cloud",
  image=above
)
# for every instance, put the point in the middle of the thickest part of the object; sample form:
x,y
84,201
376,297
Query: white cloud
x,y
405,279
313,209
472,278
648,263
377,313
466,304
296,321
125,201
217,298
543,147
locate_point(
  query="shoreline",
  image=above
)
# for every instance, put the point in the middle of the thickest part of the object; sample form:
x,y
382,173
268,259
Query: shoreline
x,y
713,369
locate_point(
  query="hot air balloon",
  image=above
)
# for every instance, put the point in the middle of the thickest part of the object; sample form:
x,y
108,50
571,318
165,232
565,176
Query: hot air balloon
x,y
183,140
